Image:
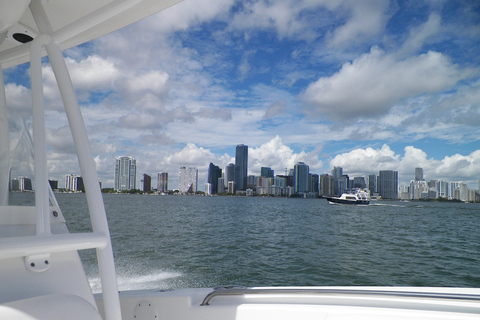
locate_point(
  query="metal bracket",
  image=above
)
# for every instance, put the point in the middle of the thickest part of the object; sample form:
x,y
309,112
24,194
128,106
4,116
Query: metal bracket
x,y
38,263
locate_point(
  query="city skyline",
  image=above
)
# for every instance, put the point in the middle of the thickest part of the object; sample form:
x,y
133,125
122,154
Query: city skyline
x,y
357,84
384,185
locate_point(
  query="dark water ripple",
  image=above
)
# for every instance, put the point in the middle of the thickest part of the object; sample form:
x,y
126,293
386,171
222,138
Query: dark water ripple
x,y
172,242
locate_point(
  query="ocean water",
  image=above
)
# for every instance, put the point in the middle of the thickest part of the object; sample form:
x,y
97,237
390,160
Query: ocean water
x,y
170,242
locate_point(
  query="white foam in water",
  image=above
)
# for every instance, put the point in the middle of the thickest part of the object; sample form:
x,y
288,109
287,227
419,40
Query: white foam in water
x,y
136,282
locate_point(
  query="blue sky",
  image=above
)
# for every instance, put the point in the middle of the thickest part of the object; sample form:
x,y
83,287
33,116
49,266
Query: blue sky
x,y
366,85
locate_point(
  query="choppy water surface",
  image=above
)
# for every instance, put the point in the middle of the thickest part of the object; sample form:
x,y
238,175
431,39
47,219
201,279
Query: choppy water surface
x,y
185,241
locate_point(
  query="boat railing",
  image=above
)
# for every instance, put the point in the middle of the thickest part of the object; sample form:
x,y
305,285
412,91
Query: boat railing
x,y
239,290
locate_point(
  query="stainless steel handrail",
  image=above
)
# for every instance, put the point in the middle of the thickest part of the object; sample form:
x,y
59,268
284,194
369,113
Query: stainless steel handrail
x,y
238,290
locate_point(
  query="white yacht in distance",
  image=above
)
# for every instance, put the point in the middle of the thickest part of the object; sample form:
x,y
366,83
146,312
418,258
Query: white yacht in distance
x,y
356,197
41,274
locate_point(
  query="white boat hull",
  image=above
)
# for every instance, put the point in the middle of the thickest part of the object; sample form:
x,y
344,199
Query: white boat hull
x,y
303,303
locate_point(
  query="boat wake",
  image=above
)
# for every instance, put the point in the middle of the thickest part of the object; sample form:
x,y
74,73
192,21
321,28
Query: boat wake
x,y
155,280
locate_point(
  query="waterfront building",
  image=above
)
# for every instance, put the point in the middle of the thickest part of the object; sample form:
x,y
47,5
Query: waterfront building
x,y
418,174
251,182
125,173
388,184
326,185
343,183
315,183
372,183
208,189
214,172
403,193
15,184
301,171
418,189
147,183
231,187
74,183
162,184
188,180
463,195
69,182
230,172
21,184
221,185
266,172
337,173
359,182
53,184
442,188
241,167
280,181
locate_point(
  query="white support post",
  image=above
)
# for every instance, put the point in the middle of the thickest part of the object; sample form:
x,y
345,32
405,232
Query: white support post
x,y
4,145
96,206
87,165
39,137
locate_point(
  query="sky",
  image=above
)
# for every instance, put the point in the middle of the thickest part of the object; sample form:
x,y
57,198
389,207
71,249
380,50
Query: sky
x,y
366,85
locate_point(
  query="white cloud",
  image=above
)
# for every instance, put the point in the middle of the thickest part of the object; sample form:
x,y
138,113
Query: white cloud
x,y
419,35
278,156
18,98
367,19
281,16
370,85
367,161
276,108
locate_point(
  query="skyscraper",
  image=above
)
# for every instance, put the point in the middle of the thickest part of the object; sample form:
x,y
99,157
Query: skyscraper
x,y
229,173
388,184
188,181
337,173
301,171
162,184
266,172
125,173
241,167
214,172
372,183
326,185
315,178
147,183
74,183
418,174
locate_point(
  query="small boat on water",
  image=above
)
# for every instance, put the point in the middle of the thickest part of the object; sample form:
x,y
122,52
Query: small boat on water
x,y
359,197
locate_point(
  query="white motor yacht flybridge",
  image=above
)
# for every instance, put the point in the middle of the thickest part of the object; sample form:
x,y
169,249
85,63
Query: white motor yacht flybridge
x,y
41,274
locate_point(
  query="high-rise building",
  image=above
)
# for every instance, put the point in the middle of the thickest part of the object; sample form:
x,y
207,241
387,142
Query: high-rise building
x,y
418,174
221,185
125,173
315,179
21,184
337,173
188,181
230,173
388,184
372,183
231,187
301,171
53,184
241,167
74,183
442,188
359,182
147,183
214,173
162,184
326,185
266,172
